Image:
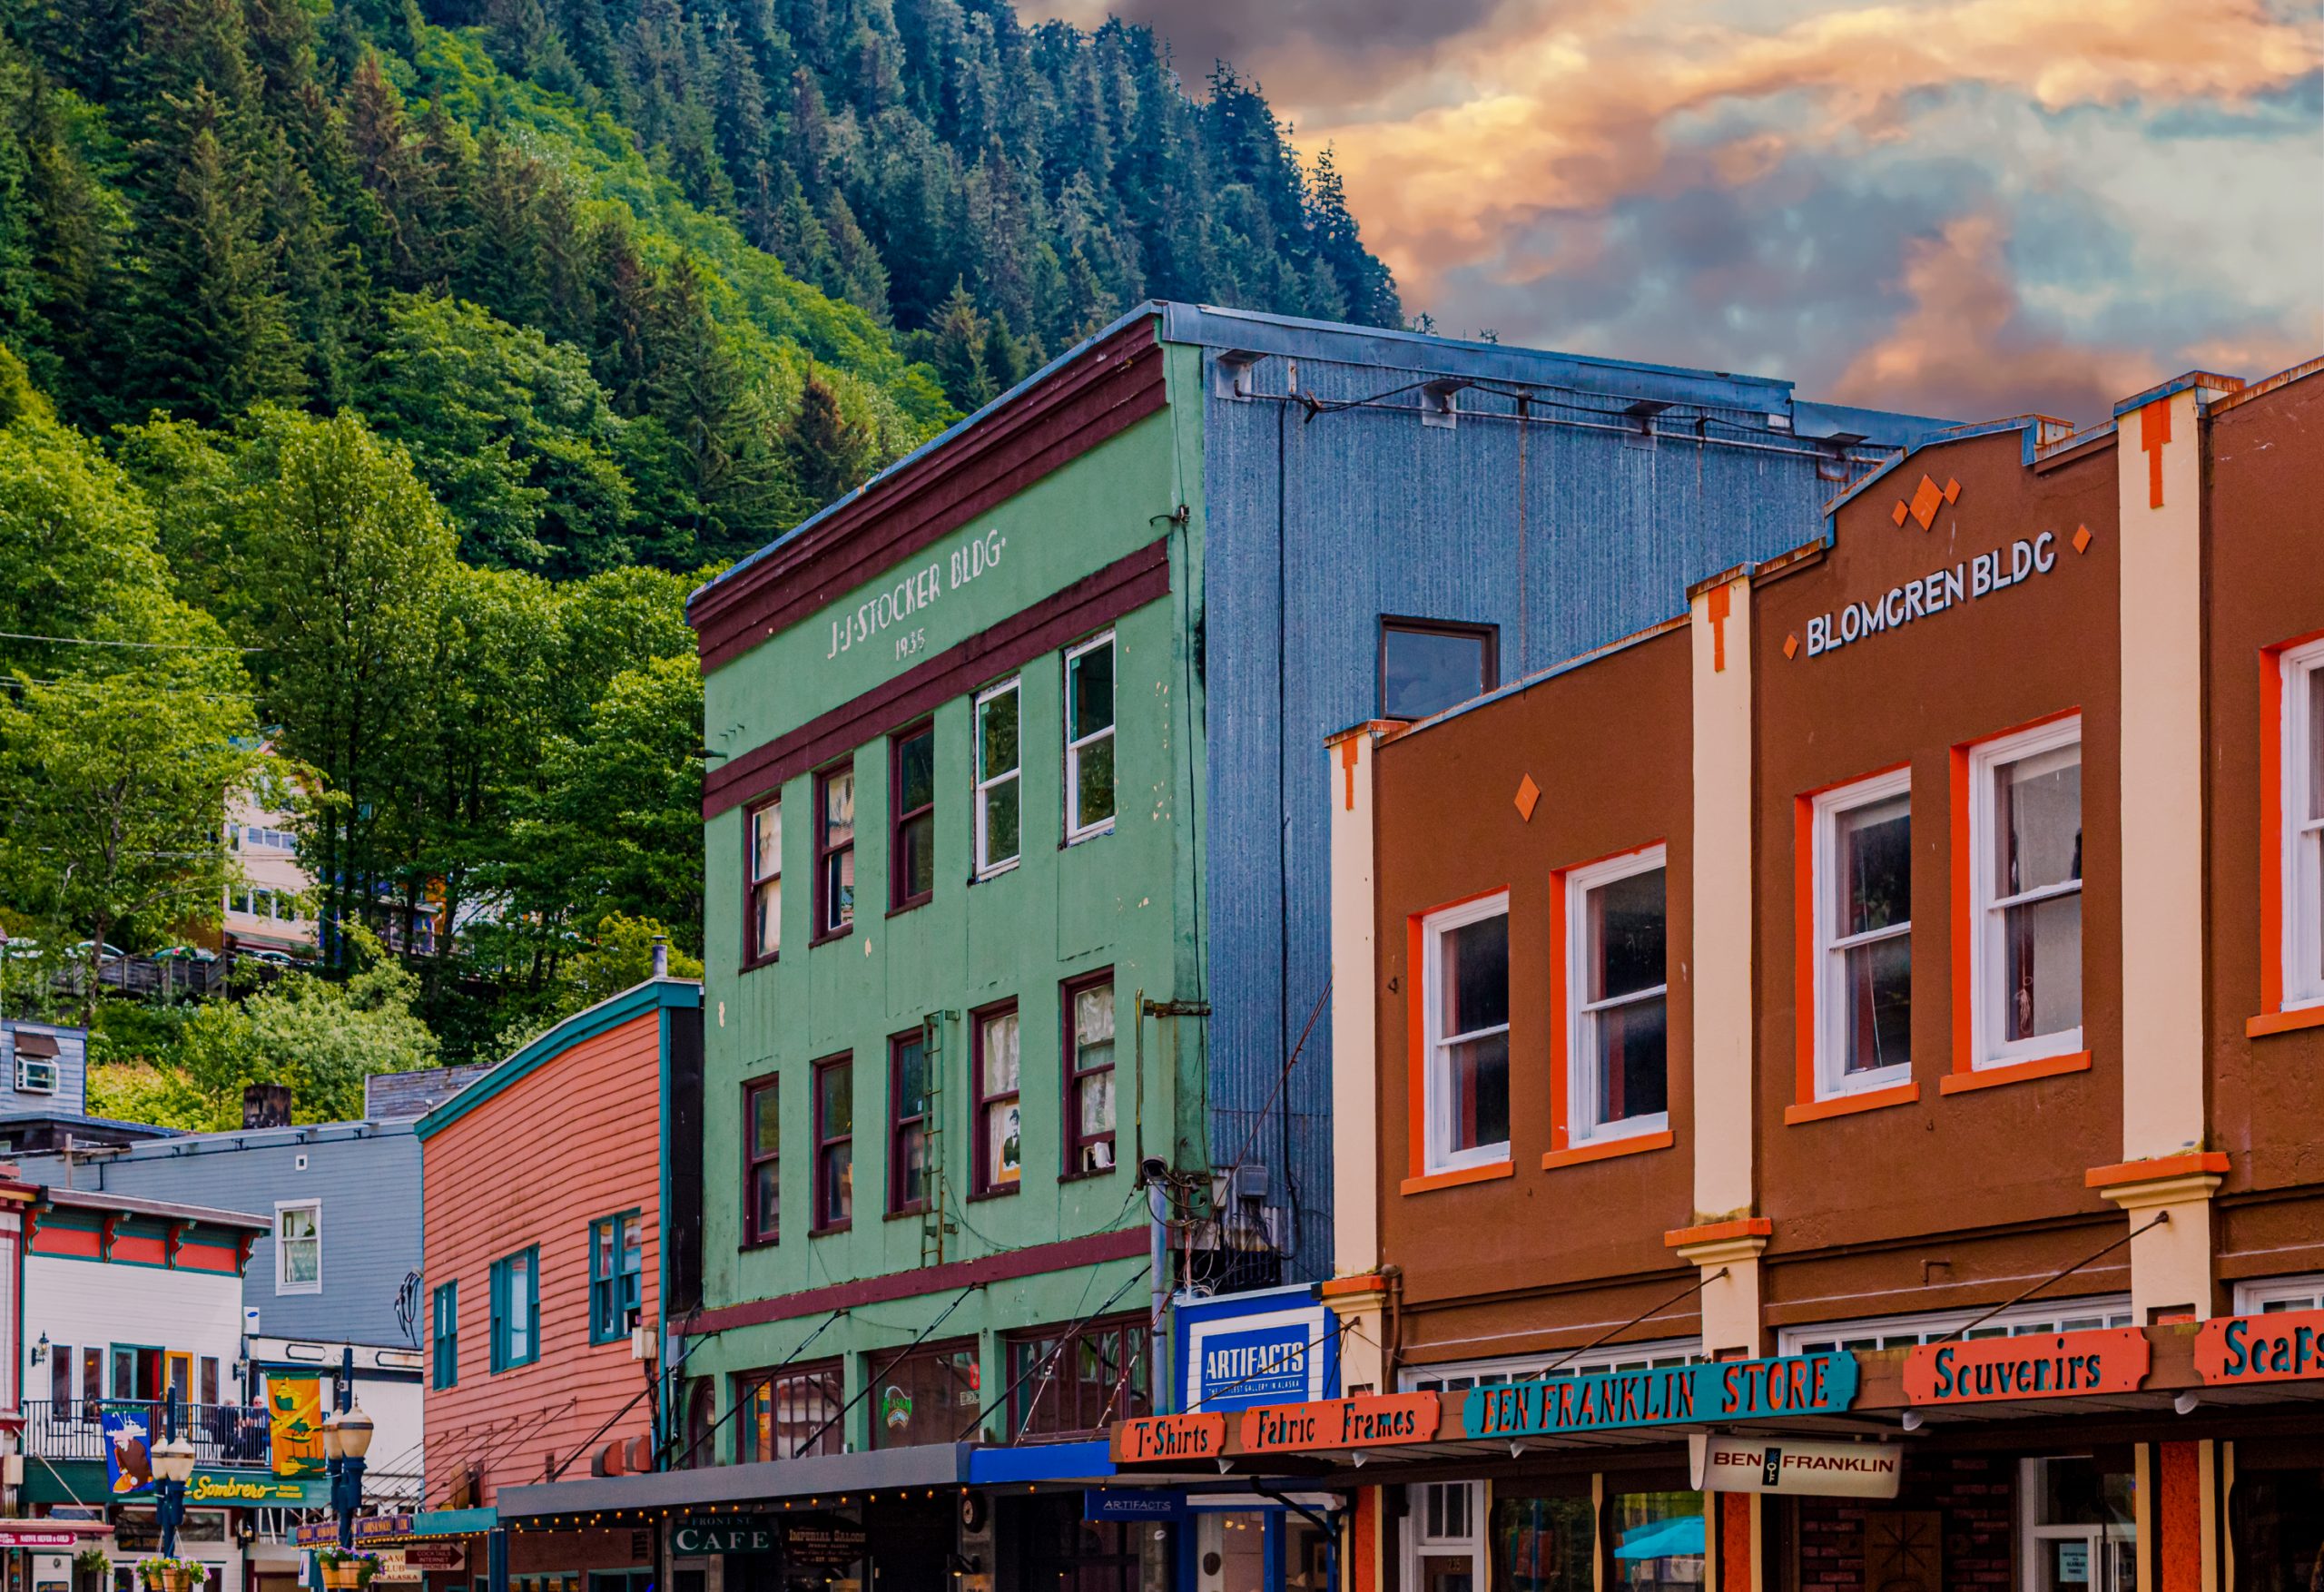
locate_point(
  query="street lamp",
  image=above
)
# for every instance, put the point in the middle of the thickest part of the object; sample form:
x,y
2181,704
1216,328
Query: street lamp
x,y
172,1468
346,1438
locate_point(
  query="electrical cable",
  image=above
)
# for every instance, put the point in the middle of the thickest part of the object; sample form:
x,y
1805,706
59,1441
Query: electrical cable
x,y
1064,1337
871,1382
84,640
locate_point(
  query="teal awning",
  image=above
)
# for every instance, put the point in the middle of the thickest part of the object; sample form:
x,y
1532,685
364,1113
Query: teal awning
x,y
1662,1538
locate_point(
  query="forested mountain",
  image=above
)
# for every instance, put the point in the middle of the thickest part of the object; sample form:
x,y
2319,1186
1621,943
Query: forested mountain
x,y
632,280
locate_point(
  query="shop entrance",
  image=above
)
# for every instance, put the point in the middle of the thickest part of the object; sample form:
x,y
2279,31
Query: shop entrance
x,y
2080,1525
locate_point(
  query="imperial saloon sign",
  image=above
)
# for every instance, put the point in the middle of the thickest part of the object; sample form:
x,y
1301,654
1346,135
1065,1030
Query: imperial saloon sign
x,y
1791,1384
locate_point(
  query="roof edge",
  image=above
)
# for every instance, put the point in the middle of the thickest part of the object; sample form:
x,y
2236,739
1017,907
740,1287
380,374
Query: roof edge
x,y
652,996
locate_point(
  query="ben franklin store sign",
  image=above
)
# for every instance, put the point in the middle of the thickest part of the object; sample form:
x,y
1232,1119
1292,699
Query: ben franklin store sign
x,y
1791,1384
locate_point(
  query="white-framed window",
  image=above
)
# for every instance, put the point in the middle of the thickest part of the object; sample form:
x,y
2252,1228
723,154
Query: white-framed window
x,y
1460,1375
1464,999
1089,738
2025,893
2271,1294
2077,1525
35,1074
2303,825
1863,935
299,1246
1000,756
1904,1331
1617,974
1444,1539
765,864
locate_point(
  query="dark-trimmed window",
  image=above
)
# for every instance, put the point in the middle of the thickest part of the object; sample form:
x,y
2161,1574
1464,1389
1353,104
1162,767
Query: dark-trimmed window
x,y
834,851
1427,665
445,1311
1089,738
1070,1384
834,1144
616,1271
762,1162
790,1412
926,1395
908,1106
764,832
1088,1073
1000,1114
516,1309
911,805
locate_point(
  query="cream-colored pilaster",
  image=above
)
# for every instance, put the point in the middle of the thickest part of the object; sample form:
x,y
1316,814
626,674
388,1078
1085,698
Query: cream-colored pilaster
x,y
1355,1003
1360,1309
1725,1237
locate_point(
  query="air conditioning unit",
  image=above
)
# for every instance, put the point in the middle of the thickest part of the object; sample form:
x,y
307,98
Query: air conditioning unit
x,y
35,1076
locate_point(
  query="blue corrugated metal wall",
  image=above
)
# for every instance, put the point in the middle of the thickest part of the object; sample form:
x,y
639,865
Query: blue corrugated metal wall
x,y
1380,514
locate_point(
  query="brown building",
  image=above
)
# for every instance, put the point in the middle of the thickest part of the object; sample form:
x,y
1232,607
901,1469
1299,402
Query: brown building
x,y
1905,964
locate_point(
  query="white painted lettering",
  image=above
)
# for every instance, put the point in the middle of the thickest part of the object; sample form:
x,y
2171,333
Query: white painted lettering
x,y
2043,560
1980,574
1820,634
1915,595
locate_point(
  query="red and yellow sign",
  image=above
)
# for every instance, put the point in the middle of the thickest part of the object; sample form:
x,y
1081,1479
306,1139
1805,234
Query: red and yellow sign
x,y
2044,1365
294,1418
2283,1347
1341,1423
1151,1437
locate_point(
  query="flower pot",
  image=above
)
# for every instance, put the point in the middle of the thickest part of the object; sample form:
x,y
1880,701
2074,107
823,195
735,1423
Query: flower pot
x,y
337,1576
175,1581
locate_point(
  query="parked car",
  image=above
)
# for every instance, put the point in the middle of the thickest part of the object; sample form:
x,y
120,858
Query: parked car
x,y
105,953
267,953
187,953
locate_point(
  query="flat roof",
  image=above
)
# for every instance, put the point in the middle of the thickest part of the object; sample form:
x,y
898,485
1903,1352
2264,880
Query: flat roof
x,y
812,1475
89,1199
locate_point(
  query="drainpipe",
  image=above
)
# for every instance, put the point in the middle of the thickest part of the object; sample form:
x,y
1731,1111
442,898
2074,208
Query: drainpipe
x,y
1157,1213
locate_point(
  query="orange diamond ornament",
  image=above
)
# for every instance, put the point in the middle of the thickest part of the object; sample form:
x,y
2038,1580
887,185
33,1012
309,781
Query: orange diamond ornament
x,y
1528,797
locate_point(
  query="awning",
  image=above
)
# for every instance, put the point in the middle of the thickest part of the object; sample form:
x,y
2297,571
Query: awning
x,y
817,1475
1076,1462
1663,1538
36,1044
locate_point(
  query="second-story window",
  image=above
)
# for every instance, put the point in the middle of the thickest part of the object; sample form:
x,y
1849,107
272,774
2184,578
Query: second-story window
x,y
1427,665
2025,882
911,805
834,1144
444,1317
766,881
790,1412
1089,1075
1089,738
834,851
2303,827
516,1309
299,1247
908,1122
762,1162
1465,1007
1863,866
1000,1119
1617,973
616,1271
999,793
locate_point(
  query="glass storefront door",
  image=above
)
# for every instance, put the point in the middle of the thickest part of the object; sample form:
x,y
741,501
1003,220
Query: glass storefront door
x,y
2081,1525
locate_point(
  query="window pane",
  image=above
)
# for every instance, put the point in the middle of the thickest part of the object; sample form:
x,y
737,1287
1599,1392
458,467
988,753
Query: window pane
x,y
2315,685
1872,846
1632,1044
1658,1540
916,855
1427,673
1625,926
1543,1544
997,735
1093,783
766,1200
1004,1142
911,1078
2037,809
1089,694
766,841
1093,1028
1001,1053
837,1087
1096,1095
1475,975
2041,966
766,1122
838,1171
838,889
770,916
911,1152
1876,1004
1477,1097
839,808
916,771
1001,839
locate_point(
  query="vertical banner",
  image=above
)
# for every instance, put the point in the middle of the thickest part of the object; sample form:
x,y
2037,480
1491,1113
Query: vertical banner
x,y
294,1419
129,1451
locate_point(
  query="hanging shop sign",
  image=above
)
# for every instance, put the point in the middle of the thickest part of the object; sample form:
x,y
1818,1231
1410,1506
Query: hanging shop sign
x,y
1790,1384
362,1528
1241,1351
1341,1423
255,1487
2283,1347
1115,1503
1789,1467
701,1534
12,1537
2043,1365
1150,1438
129,1452
436,1556
294,1419
825,1543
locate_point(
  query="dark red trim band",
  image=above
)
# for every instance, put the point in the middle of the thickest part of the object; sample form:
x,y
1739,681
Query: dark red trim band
x,y
1127,1244
1094,600
1101,395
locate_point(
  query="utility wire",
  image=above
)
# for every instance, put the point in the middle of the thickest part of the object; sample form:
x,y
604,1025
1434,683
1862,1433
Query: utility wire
x,y
2159,1218
1063,1338
872,1381
84,640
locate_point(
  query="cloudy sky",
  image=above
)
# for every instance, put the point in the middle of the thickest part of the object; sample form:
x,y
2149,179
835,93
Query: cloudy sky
x,y
1970,207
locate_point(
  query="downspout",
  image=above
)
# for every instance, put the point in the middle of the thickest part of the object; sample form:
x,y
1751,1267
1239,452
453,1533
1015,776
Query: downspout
x,y
1157,1212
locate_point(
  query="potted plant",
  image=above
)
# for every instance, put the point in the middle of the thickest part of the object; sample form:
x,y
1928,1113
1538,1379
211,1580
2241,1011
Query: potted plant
x,y
350,1567
156,1574
91,1568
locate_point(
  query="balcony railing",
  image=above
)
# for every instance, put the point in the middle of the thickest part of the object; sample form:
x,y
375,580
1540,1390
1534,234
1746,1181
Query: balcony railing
x,y
222,1434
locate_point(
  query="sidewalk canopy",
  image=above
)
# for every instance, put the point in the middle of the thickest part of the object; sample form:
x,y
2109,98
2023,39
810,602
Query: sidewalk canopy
x,y
820,1475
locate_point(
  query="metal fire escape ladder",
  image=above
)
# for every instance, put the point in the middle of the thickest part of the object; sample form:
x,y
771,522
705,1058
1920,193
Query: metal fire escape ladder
x,y
934,1224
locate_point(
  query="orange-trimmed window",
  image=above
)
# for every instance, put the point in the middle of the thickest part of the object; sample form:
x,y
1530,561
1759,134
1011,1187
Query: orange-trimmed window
x,y
1617,990
2302,831
1863,956
2025,894
1464,1000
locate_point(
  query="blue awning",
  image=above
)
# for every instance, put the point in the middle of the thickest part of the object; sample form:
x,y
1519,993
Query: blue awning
x,y
1042,1462
1663,1538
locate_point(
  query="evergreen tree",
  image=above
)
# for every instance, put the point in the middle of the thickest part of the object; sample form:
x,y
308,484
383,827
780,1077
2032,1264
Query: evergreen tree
x,y
828,453
958,352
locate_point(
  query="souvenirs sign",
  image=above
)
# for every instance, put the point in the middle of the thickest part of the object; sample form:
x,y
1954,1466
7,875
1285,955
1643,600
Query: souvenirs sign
x,y
1341,1423
2041,1365
1734,1464
1790,1384
2283,1347
1152,1437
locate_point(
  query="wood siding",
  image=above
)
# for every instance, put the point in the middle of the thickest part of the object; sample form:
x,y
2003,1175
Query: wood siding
x,y
574,1139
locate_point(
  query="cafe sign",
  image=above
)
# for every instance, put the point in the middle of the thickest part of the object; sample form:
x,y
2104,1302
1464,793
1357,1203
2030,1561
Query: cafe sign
x,y
1790,1384
2041,1365
1341,1423
1153,1438
722,1534
1790,1468
2281,1347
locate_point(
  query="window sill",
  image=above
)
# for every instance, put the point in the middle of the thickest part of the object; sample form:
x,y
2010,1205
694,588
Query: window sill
x,y
906,1213
998,871
1605,1149
1095,1172
835,934
834,1227
1085,836
1001,1193
1427,1181
754,964
913,905
748,1244
1849,1105
2285,1022
2043,1067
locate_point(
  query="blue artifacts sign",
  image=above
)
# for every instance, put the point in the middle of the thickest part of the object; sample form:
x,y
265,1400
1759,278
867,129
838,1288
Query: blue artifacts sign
x,y
1793,1385
1271,1346
129,1451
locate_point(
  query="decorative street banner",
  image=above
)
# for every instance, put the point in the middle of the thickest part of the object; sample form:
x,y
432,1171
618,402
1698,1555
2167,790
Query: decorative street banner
x,y
2283,1347
2039,1365
129,1451
294,1419
1343,1423
1790,1467
1792,1384
1170,1437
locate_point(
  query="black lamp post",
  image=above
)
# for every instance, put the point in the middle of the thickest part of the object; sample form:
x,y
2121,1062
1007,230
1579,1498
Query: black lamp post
x,y
346,1438
172,1468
